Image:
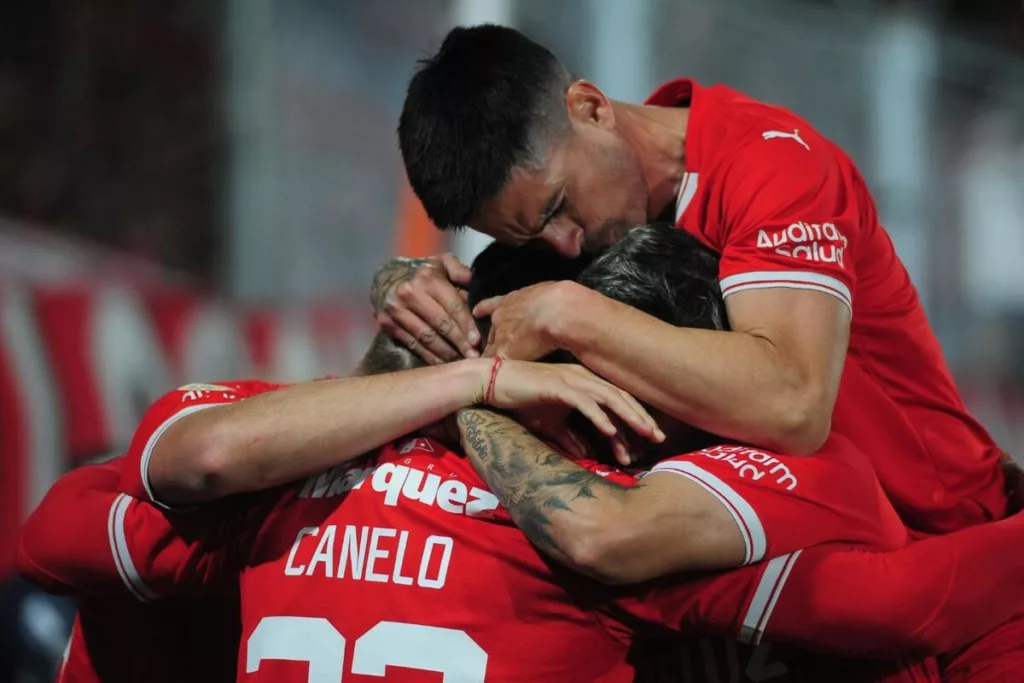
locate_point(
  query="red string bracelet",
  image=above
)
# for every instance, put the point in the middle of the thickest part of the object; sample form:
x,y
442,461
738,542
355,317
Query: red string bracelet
x,y
489,392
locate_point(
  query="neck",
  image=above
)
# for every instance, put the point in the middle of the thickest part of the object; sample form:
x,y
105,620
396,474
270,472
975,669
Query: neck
x,y
657,134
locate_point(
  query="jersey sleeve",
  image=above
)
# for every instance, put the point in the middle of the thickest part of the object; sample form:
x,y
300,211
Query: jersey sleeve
x,y
163,413
87,538
63,546
791,219
834,495
926,598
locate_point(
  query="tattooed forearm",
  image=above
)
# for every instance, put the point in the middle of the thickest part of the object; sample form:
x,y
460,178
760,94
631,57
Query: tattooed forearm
x,y
532,481
390,275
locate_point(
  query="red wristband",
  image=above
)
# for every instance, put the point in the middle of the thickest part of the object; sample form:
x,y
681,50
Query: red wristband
x,y
489,392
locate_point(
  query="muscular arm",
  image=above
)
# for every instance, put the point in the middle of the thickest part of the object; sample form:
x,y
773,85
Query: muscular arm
x,y
772,381
279,436
617,534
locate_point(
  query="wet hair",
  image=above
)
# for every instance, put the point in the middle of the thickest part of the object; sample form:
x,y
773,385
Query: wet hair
x,y
664,272
490,100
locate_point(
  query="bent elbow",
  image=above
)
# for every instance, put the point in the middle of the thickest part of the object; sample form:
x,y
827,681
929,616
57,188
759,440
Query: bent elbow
x,y
602,553
805,424
197,463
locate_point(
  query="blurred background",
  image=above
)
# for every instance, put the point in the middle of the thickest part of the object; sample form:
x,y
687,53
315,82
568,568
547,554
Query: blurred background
x,y
200,189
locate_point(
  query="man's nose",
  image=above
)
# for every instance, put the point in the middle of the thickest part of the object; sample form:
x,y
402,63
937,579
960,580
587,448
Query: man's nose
x,y
565,238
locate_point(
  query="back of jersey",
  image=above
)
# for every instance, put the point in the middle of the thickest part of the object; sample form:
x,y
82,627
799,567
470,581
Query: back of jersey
x,y
403,565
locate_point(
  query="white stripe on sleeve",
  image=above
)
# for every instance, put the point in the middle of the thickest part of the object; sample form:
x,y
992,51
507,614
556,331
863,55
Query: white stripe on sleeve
x,y
122,555
742,512
147,452
787,280
773,581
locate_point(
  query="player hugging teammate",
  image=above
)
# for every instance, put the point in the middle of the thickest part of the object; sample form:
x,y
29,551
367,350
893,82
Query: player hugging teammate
x,y
702,449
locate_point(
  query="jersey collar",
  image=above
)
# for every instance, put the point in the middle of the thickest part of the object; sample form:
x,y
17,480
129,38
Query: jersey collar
x,y
676,93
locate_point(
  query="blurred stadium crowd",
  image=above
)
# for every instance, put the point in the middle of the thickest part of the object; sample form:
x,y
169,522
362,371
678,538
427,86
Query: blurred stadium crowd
x,y
202,189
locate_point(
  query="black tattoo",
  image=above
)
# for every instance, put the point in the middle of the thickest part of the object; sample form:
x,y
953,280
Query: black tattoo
x,y
390,275
530,479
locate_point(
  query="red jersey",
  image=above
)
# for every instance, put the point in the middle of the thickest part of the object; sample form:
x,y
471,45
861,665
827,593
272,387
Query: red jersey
x,y
167,410
785,207
414,539
119,639
791,597
433,576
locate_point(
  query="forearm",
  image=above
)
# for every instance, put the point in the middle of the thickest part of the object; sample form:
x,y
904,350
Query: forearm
x,y
280,436
560,506
928,598
69,553
733,384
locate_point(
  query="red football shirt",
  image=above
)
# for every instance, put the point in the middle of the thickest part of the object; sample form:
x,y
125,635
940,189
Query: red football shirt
x,y
416,549
118,638
785,207
167,410
792,597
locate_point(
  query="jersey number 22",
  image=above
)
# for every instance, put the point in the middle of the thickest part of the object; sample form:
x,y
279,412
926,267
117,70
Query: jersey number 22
x,y
315,640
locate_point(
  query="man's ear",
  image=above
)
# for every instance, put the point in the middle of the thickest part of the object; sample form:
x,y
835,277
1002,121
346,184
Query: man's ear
x,y
586,104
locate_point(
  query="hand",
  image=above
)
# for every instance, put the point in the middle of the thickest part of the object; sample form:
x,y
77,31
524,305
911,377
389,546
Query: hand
x,y
522,322
545,394
417,302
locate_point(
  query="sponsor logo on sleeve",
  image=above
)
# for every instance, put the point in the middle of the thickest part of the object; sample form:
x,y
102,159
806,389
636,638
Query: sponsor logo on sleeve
x,y
815,242
197,392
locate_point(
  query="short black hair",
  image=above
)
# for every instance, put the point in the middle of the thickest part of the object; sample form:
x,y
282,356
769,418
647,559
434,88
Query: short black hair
x,y
479,107
666,273
500,269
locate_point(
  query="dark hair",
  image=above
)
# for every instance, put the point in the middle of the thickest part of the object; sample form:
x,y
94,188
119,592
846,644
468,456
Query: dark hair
x,y
387,355
497,270
500,269
670,275
472,112
664,272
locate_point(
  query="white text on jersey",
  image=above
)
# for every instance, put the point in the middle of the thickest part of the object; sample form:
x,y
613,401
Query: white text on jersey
x,y
753,464
376,554
403,483
816,242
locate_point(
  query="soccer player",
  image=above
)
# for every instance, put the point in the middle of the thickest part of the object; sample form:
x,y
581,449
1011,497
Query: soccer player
x,y
826,328
405,558
412,488
203,441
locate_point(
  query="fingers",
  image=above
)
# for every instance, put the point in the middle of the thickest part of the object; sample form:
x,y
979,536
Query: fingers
x,y
654,434
435,325
620,402
411,329
620,450
406,339
491,349
458,272
486,307
569,443
592,411
463,332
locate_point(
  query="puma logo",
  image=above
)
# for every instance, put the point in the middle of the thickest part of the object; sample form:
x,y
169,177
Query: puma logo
x,y
795,135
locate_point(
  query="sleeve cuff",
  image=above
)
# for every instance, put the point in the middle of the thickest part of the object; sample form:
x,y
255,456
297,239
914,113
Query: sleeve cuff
x,y
122,554
766,279
147,452
769,588
742,512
